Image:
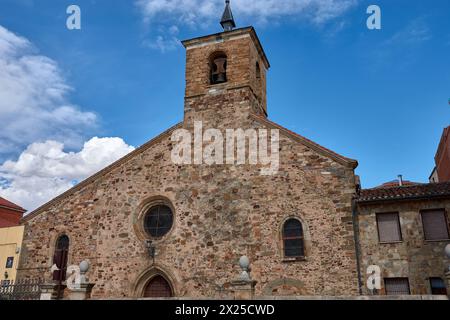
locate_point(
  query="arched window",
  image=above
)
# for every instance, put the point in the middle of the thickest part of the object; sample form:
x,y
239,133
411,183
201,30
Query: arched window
x,y
158,220
60,257
158,287
258,71
293,239
218,68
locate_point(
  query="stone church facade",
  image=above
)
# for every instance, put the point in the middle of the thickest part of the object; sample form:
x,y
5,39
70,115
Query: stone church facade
x,y
220,212
151,227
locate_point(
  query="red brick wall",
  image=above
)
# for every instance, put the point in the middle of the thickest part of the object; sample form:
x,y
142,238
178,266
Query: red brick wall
x,y
9,218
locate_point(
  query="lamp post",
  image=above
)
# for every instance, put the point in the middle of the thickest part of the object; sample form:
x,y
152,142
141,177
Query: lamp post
x,y
151,249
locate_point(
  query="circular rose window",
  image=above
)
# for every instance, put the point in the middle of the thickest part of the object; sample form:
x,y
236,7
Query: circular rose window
x,y
158,221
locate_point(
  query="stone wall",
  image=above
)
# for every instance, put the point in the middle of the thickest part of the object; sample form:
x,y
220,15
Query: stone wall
x,y
413,257
221,213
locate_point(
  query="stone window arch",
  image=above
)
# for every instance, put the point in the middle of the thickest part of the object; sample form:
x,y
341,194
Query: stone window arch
x,y
307,242
258,71
154,219
293,238
158,220
218,64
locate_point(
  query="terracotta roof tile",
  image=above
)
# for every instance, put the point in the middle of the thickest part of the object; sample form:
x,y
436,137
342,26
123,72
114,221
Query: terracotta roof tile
x,y
394,183
418,191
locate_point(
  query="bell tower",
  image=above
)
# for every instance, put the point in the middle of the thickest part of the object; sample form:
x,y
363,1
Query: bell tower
x,y
225,74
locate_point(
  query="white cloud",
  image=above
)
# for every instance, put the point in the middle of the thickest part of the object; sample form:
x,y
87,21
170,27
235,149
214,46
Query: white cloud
x,y
33,99
34,107
167,39
204,12
199,11
44,170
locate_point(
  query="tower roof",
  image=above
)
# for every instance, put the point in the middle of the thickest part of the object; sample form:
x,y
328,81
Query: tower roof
x,y
227,21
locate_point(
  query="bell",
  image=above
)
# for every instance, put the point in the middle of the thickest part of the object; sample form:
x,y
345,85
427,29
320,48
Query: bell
x,y
220,78
219,74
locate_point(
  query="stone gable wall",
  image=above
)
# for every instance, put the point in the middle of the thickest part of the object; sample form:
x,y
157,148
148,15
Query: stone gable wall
x,y
221,213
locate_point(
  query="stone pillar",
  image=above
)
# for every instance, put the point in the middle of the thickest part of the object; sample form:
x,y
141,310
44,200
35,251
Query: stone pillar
x,y
243,290
49,291
447,278
81,289
83,292
447,273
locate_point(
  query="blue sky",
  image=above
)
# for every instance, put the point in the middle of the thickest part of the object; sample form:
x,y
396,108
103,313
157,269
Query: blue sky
x,y
378,96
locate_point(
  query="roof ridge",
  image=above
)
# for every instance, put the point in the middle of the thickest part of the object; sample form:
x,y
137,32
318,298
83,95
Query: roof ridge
x,y
309,143
417,184
419,191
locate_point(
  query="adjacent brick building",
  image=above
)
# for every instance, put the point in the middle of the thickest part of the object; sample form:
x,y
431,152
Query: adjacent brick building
x,y
11,234
10,213
441,172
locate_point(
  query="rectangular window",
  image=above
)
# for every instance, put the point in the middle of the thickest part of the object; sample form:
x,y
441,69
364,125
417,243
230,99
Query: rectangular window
x,y
389,227
434,225
396,286
438,286
9,262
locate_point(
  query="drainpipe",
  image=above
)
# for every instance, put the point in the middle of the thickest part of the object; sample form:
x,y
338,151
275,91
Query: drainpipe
x,y
356,239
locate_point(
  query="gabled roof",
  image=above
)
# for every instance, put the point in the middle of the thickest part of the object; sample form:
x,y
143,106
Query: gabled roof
x,y
102,172
408,192
311,144
9,205
322,150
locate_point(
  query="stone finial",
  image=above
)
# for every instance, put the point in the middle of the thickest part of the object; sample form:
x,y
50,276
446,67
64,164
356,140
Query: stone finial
x,y
84,267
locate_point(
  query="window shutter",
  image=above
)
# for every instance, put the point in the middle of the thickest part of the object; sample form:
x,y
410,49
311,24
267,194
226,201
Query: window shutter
x,y
396,286
388,227
434,225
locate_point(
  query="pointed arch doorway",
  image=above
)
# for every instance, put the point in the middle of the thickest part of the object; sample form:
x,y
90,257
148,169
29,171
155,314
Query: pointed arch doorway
x,y
157,287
